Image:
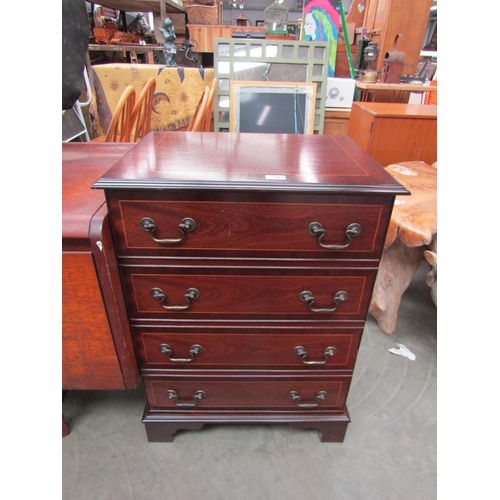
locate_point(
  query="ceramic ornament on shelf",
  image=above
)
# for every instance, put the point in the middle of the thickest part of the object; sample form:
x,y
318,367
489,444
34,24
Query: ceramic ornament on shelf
x,y
276,16
321,21
168,31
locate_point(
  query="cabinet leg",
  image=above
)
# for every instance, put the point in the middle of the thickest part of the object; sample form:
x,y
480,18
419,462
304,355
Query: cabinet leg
x,y
164,431
329,432
65,427
333,433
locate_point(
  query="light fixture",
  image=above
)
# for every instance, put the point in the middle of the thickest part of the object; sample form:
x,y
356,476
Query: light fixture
x,y
370,54
237,4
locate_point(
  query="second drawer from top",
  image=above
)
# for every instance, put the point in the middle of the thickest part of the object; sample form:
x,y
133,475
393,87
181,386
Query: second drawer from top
x,y
164,292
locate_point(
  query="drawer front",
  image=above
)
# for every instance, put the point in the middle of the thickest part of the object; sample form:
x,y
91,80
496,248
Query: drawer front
x,y
245,393
247,228
307,350
257,293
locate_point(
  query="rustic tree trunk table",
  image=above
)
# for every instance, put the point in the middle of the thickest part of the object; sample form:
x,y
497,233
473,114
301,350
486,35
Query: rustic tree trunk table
x,y
412,228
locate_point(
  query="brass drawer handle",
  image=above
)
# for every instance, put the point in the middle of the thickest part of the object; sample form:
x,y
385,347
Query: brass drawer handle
x,y
197,397
316,229
193,352
191,294
309,298
186,226
300,351
321,396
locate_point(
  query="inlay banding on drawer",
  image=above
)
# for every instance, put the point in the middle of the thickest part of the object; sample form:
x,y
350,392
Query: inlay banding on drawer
x,y
272,351
245,393
251,227
231,294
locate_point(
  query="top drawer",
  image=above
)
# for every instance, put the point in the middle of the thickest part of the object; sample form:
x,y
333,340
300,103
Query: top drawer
x,y
344,229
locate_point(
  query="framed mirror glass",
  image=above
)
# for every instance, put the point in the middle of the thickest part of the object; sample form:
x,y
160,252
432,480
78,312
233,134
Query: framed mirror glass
x,y
269,61
272,107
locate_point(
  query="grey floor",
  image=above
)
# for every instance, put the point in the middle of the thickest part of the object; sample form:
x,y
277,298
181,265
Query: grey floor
x,y
389,451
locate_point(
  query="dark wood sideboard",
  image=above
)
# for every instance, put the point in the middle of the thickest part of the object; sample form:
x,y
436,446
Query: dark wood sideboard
x,y
248,263
97,348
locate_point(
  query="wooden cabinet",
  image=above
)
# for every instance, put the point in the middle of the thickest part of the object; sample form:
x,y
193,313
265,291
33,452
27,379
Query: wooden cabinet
x,y
407,18
342,69
336,121
395,132
97,348
248,262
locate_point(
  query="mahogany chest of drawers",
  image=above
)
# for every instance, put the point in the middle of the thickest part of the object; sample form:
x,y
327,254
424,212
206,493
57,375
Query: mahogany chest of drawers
x,y
247,263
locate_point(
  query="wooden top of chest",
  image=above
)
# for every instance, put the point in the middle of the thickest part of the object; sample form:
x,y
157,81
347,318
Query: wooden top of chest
x,y
249,162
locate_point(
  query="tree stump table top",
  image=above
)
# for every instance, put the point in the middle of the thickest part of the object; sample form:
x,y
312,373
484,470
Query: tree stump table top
x,y
414,218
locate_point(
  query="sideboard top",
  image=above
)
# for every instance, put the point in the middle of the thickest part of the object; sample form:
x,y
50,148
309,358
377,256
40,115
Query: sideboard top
x,y
250,162
82,164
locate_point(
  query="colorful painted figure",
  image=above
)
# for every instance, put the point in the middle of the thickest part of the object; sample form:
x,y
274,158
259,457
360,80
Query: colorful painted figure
x,y
321,24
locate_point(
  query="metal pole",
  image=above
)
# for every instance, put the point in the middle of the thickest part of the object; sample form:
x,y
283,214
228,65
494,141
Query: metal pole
x,y
348,48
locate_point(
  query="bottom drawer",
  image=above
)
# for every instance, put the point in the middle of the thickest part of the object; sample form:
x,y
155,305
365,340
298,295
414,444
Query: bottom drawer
x,y
247,393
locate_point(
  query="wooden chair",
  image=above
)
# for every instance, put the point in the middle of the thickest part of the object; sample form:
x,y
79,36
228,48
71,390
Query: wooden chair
x,y
120,126
209,106
141,115
197,123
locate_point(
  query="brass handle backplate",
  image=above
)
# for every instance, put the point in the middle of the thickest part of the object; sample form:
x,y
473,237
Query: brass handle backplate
x,y
193,352
321,396
300,351
316,229
191,294
186,226
197,397
309,299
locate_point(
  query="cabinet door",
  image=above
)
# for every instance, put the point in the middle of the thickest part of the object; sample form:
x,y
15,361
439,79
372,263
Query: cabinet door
x,y
89,358
360,127
394,140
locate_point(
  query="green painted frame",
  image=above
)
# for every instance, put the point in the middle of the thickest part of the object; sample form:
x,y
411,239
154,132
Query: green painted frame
x,y
228,51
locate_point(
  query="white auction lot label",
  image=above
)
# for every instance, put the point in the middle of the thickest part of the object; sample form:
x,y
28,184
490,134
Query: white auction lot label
x,y
276,177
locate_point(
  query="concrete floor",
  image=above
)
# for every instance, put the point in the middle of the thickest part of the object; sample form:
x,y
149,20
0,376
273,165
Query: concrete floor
x,y
389,451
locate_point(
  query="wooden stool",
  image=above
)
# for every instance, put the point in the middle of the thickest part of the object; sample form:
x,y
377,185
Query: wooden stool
x,y
412,228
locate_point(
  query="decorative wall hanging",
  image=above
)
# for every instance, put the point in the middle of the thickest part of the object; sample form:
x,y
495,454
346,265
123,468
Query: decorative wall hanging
x,y
321,24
